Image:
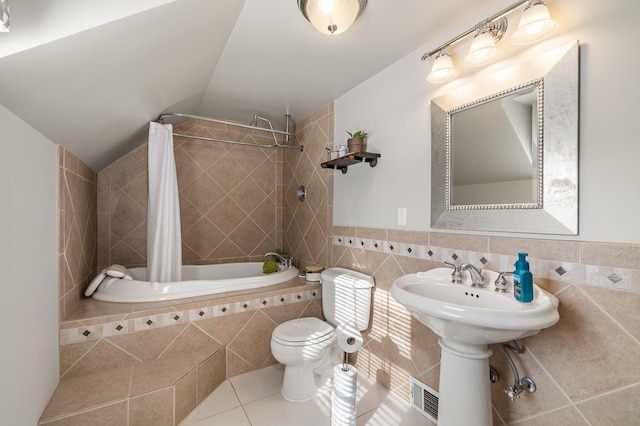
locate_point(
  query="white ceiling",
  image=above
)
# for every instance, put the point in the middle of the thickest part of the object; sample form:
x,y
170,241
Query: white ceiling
x,y
89,75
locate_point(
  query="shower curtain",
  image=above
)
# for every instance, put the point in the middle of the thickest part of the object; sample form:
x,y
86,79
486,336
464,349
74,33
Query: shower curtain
x,y
164,245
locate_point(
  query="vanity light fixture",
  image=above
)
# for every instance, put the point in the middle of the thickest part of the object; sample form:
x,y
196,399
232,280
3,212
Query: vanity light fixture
x,y
331,16
483,48
535,24
443,69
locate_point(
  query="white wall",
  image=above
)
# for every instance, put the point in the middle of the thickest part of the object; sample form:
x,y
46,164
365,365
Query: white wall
x,y
393,106
28,261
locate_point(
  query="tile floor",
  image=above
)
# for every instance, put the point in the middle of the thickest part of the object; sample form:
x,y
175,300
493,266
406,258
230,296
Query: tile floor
x,y
253,399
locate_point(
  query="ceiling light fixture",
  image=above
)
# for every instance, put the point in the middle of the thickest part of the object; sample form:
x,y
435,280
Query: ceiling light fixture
x,y
535,24
331,16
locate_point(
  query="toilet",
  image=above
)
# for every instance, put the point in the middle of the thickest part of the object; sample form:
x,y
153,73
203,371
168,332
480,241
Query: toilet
x,y
307,347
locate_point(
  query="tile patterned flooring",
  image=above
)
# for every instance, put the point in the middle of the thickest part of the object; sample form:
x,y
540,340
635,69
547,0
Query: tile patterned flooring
x,y
254,399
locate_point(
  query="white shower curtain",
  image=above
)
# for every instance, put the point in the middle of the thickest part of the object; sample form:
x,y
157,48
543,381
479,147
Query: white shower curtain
x,y
164,249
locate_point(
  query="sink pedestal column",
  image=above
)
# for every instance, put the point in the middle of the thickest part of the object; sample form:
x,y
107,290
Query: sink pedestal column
x,y
465,396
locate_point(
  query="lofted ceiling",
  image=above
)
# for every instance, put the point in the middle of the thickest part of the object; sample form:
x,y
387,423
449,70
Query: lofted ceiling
x,y
90,75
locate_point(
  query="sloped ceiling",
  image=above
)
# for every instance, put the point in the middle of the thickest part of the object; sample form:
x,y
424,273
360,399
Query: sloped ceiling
x,y
90,75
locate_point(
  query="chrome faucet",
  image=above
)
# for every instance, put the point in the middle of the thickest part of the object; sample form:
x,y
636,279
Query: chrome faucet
x,y
456,275
284,260
502,285
477,279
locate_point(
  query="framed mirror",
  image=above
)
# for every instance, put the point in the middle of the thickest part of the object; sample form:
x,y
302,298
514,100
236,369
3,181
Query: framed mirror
x,y
504,150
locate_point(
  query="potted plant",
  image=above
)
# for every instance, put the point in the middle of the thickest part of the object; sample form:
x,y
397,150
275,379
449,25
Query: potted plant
x,y
356,141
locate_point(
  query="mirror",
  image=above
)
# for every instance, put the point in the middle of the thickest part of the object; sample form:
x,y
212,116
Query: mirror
x,y
478,177
505,149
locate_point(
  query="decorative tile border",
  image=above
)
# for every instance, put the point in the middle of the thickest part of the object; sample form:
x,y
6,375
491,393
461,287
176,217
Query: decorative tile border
x,y
568,272
83,333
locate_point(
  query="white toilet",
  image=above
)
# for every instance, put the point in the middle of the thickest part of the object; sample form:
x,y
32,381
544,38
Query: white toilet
x,y
308,346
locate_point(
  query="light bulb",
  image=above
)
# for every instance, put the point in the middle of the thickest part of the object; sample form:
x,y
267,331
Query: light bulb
x,y
331,16
483,50
443,70
535,24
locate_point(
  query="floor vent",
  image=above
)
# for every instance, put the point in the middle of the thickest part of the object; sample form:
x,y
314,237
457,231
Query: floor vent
x,y
424,399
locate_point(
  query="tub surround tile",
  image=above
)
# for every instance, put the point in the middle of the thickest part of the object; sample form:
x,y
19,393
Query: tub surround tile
x,y
152,392
253,345
160,373
86,391
100,356
224,328
236,364
149,344
221,189
222,399
155,408
186,396
78,229
191,338
110,415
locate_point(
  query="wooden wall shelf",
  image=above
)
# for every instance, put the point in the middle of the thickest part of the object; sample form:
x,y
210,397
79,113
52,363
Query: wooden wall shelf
x,y
343,163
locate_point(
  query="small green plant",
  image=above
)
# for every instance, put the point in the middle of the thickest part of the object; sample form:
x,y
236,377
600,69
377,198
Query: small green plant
x,y
357,135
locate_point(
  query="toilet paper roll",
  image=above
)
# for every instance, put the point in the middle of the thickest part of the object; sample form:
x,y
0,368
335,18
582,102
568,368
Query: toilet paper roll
x,y
349,338
345,382
343,397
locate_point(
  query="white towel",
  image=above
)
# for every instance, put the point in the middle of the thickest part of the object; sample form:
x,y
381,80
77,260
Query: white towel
x,y
93,285
116,271
119,271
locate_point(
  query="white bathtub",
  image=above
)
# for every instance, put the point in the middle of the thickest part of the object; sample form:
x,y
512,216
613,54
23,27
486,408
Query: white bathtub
x,y
197,280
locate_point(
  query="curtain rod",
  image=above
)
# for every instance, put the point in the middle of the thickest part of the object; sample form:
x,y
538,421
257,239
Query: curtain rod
x,y
273,132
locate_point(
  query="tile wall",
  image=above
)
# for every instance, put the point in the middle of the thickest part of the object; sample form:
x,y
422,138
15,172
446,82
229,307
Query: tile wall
x,y
78,229
586,367
110,338
308,224
228,199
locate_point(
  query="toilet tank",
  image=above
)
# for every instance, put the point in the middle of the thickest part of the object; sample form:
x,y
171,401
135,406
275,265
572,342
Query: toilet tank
x,y
346,297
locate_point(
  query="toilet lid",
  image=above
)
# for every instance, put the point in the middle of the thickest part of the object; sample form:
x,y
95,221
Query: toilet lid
x,y
302,330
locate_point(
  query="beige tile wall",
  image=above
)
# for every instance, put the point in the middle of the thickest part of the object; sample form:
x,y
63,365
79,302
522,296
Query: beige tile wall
x,y
228,199
588,361
243,324
308,223
78,230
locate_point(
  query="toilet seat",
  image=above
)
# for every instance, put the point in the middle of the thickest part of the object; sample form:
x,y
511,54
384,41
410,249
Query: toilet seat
x,y
303,332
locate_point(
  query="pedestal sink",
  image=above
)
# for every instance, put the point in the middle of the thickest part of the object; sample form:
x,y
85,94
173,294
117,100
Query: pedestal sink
x,y
468,319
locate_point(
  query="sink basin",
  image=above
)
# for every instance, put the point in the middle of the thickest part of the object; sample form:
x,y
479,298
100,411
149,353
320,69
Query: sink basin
x,y
468,319
465,314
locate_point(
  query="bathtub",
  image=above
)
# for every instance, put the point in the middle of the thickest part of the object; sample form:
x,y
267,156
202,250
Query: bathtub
x,y
197,280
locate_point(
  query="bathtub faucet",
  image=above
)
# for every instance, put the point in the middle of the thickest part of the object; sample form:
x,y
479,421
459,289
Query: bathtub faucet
x,y
284,260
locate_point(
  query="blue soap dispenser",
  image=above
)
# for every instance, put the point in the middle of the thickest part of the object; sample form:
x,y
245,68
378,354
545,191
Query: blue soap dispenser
x,y
522,280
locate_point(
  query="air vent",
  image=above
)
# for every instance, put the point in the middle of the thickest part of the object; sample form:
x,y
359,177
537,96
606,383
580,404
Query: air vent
x,y
424,399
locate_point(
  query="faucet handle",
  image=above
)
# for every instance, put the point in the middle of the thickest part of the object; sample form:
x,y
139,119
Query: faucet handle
x,y
501,283
456,275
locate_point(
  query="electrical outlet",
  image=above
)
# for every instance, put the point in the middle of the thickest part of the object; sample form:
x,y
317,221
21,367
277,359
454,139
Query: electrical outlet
x,y
402,216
